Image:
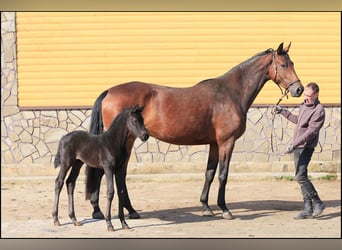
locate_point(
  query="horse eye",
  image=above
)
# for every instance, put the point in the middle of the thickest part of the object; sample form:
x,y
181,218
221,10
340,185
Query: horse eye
x,y
283,65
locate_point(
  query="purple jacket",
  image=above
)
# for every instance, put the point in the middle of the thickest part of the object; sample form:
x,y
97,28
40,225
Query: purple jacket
x,y
309,120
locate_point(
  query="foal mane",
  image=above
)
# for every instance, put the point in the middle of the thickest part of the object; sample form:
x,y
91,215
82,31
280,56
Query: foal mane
x,y
121,116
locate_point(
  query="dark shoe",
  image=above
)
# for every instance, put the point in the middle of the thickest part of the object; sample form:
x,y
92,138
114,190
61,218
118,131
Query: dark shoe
x,y
303,215
318,205
307,212
318,209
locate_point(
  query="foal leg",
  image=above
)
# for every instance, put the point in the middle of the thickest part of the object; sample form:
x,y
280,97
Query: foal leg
x,y
209,176
110,195
225,155
120,176
71,183
58,188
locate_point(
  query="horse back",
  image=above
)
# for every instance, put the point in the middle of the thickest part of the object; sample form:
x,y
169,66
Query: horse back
x,y
174,115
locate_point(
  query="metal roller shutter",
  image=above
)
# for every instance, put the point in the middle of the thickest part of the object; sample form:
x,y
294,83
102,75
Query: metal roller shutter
x,y
66,59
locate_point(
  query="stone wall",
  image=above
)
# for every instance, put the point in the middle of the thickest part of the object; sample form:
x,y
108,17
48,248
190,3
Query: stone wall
x,y
29,138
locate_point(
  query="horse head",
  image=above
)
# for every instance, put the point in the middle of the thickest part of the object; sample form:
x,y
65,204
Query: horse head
x,y
135,123
282,71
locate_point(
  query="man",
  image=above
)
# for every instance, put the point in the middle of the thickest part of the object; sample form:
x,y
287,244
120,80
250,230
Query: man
x,y
308,122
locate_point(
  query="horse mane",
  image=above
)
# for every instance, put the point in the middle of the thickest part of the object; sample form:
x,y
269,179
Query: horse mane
x,y
242,64
248,61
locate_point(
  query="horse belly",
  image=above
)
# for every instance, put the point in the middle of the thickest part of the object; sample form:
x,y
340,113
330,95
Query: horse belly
x,y
180,126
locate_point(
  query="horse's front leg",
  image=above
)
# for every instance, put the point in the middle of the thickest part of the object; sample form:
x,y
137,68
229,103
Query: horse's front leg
x,y
110,195
225,153
209,176
71,183
120,176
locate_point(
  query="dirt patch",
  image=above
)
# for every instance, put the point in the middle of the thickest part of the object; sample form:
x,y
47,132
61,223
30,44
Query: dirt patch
x,y
170,208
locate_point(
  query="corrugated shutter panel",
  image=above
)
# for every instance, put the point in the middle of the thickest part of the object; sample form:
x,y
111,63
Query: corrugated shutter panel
x,y
69,58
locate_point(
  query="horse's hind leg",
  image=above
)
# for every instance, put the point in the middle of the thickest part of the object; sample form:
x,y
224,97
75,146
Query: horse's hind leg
x,y
58,188
209,176
71,183
133,214
93,185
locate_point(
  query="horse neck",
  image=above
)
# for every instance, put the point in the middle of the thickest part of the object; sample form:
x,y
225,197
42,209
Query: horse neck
x,y
118,130
252,76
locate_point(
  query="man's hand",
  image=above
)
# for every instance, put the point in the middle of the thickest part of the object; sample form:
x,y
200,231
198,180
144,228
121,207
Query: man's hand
x,y
289,150
278,109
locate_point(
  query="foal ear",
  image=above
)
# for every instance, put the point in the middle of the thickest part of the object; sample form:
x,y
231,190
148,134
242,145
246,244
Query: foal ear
x,y
137,108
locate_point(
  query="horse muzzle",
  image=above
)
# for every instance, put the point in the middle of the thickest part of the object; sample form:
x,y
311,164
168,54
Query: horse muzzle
x,y
296,89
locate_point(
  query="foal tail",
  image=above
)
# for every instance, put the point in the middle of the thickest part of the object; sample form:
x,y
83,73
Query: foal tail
x,y
57,161
94,175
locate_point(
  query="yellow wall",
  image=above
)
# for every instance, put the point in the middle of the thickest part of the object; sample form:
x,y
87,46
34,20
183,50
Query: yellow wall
x,y
68,59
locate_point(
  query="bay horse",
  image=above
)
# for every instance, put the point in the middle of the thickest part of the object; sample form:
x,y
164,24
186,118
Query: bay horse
x,y
107,152
213,112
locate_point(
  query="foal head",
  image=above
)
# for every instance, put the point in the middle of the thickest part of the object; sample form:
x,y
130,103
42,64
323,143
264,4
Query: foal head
x,y
135,123
282,71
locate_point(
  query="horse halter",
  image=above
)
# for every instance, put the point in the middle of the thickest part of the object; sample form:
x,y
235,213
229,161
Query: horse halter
x,y
288,85
283,94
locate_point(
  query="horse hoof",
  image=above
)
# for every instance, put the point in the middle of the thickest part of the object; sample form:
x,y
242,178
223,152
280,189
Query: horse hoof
x,y
98,215
78,223
227,216
110,229
208,213
134,215
57,224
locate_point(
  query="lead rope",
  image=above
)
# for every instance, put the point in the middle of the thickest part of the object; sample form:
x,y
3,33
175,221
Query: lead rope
x,y
274,114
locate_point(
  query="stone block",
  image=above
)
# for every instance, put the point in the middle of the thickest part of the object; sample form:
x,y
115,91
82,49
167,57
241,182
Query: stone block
x,y
48,121
173,156
28,115
62,115
6,156
10,111
25,137
26,149
54,135
326,156
144,157
141,147
163,147
200,156
196,148
42,148
75,119
53,146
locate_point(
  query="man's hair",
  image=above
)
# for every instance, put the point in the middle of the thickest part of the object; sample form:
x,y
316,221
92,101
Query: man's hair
x,y
313,86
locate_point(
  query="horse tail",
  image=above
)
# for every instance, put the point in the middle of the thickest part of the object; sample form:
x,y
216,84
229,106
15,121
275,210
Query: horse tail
x,y
94,175
96,122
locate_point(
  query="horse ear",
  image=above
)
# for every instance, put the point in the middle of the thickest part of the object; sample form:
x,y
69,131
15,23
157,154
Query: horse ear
x,y
286,49
280,49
